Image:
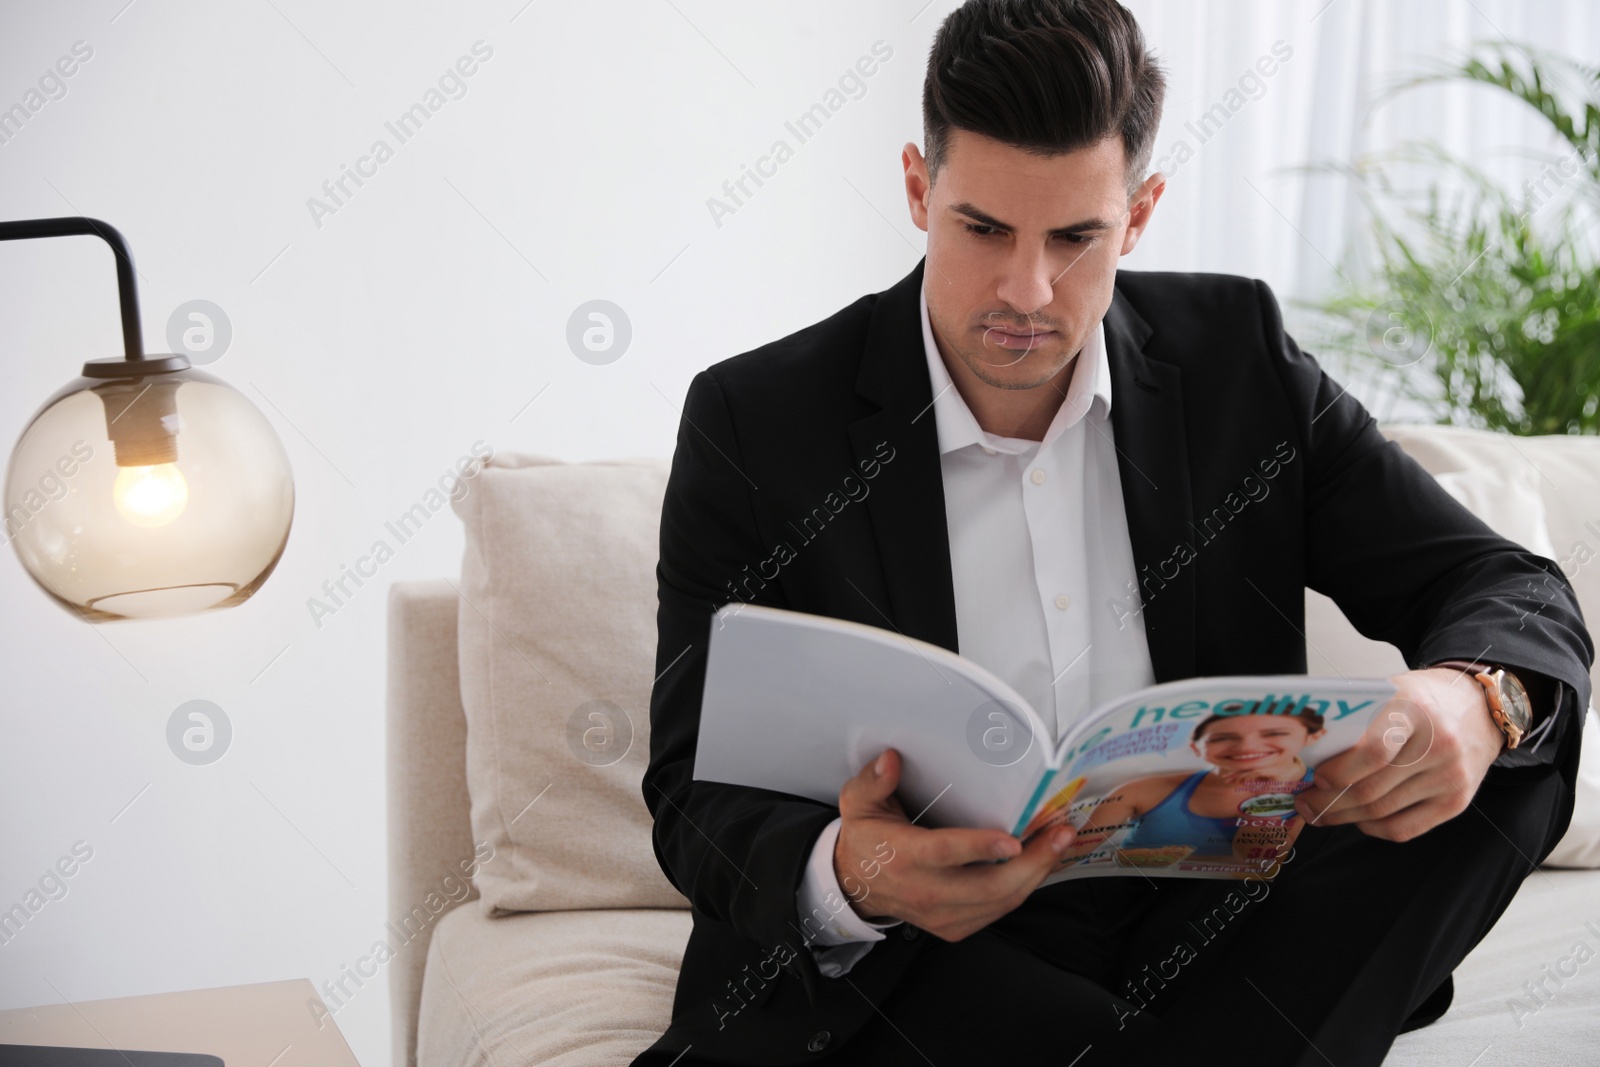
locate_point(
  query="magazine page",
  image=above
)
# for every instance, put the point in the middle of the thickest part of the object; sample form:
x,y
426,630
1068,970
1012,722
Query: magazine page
x,y
1198,778
799,703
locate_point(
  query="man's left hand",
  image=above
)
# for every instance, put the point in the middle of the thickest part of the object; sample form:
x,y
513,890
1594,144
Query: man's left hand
x,y
1418,766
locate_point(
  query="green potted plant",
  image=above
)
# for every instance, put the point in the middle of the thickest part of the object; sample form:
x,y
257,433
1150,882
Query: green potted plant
x,y
1483,304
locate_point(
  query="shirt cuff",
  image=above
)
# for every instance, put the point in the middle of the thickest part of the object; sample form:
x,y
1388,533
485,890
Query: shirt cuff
x,y
826,917
838,959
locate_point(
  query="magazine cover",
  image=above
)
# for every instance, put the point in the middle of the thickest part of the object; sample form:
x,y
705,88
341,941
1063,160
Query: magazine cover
x,y
1204,784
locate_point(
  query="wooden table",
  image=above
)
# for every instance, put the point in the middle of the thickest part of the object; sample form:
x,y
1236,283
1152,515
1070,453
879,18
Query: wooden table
x,y
268,1024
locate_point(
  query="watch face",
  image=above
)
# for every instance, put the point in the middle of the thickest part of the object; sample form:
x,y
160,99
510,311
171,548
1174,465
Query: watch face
x,y
1514,701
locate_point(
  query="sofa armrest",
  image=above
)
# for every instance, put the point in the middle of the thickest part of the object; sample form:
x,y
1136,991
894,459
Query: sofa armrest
x,y
430,826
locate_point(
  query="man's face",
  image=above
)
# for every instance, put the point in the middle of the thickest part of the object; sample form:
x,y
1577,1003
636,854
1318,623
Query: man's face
x,y
1022,250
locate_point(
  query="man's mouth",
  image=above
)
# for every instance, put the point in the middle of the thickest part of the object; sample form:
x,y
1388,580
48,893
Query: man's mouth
x,y
1022,340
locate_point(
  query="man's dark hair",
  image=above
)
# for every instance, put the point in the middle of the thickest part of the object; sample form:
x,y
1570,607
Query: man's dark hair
x,y
1046,76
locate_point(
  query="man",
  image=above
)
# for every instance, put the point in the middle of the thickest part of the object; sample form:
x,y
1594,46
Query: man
x,y
1087,481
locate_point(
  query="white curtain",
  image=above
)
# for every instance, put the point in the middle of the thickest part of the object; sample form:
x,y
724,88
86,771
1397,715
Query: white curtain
x,y
1239,205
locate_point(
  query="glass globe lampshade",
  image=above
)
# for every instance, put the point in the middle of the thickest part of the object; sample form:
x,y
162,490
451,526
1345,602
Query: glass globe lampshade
x,y
142,497
145,488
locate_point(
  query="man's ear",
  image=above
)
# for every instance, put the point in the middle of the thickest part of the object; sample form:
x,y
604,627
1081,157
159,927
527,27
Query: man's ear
x,y
919,188
1140,207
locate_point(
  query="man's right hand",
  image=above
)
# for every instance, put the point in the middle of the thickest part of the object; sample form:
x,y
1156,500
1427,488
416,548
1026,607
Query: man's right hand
x,y
924,877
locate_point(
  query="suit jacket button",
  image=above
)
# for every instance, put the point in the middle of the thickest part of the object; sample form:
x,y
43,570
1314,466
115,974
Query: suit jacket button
x,y
819,1041
908,932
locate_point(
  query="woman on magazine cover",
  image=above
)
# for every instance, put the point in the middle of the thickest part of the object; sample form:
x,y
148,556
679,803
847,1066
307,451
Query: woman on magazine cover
x,y
1239,808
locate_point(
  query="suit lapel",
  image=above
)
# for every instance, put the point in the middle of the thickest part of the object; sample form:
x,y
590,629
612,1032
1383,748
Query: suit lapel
x,y
907,506
1153,464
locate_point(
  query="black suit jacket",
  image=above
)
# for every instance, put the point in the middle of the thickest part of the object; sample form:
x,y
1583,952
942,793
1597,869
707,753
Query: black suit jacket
x,y
807,476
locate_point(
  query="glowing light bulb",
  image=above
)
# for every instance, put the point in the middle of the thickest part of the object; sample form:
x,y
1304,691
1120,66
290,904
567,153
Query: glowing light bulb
x,y
150,496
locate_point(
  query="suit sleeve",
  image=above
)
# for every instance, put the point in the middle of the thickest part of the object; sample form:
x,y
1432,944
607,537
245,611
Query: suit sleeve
x,y
1410,565
737,853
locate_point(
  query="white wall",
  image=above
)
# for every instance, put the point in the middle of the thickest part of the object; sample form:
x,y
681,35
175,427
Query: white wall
x,y
431,308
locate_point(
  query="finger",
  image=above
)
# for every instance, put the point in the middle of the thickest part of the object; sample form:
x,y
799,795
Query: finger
x,y
871,791
1411,822
1392,740
1320,807
1403,737
1020,875
1060,818
1333,779
1375,797
956,847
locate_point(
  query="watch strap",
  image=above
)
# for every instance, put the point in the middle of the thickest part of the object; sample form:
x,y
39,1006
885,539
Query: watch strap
x,y
1484,675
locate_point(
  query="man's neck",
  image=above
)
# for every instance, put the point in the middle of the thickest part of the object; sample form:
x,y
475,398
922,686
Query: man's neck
x,y
1023,414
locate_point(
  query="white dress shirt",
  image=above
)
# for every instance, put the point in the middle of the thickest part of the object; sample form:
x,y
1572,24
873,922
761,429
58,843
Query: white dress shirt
x,y
1039,555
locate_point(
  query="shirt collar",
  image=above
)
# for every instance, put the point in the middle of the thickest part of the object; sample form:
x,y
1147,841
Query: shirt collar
x,y
958,428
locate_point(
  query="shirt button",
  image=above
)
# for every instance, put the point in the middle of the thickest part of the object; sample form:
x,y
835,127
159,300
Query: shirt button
x,y
1063,601
988,451
1037,477
819,1041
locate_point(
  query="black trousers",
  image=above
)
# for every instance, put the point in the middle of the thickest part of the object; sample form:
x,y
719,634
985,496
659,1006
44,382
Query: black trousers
x,y
1350,945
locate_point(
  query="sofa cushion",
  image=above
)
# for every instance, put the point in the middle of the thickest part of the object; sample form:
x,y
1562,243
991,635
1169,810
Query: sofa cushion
x,y
557,641
1580,845
1540,933
594,989
558,989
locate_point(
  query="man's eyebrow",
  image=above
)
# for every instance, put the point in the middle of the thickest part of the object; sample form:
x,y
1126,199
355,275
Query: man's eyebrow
x,y
973,212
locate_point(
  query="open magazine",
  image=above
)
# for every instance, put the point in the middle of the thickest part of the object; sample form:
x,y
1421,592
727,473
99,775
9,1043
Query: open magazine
x,y
1194,778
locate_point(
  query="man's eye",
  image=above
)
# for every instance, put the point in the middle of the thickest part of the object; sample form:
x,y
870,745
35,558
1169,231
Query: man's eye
x,y
978,229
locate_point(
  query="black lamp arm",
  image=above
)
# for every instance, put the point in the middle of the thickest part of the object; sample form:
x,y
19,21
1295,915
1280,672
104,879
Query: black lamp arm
x,y
127,290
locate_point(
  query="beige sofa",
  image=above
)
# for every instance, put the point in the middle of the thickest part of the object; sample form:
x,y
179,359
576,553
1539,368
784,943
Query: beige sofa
x,y
567,952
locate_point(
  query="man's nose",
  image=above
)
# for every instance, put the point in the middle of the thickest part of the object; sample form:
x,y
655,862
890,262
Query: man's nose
x,y
1026,283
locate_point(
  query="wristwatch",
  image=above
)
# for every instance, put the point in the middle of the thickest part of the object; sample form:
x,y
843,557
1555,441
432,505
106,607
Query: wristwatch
x,y
1509,705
